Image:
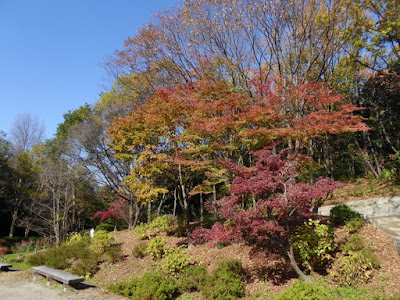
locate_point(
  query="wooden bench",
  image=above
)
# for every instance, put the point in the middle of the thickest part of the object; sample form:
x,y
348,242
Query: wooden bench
x,y
5,267
67,279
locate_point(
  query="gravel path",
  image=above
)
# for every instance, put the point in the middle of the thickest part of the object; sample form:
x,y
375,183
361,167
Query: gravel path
x,y
18,285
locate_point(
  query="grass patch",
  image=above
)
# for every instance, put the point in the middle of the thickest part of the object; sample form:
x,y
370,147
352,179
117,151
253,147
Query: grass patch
x,y
16,263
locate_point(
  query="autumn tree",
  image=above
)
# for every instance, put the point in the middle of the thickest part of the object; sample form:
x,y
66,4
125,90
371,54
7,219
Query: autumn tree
x,y
180,132
266,204
149,137
233,41
116,211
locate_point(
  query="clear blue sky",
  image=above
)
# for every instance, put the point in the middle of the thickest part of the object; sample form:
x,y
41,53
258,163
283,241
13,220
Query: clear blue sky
x,y
52,52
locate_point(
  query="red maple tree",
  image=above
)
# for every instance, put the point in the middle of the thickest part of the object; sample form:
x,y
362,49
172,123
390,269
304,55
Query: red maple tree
x,y
116,211
266,203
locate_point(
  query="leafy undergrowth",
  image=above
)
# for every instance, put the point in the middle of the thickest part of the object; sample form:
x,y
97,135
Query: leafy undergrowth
x,y
259,279
364,188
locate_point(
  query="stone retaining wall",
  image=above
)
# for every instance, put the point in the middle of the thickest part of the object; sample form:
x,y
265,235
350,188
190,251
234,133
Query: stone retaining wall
x,y
370,208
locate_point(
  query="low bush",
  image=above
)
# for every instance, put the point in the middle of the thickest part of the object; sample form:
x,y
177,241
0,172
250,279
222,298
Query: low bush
x,y
76,253
354,225
356,264
139,251
85,267
36,260
141,231
175,259
155,248
304,291
101,241
314,244
354,243
225,282
106,225
187,296
57,258
151,286
162,224
77,238
341,214
114,253
191,278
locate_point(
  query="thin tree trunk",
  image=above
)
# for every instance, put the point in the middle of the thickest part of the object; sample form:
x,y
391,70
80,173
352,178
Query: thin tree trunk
x,y
13,222
130,214
296,268
138,209
201,207
159,206
148,212
366,161
175,199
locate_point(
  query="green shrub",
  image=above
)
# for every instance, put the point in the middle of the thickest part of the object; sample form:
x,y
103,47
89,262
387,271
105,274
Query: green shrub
x,y
107,225
139,251
354,225
356,264
76,252
187,296
341,214
164,223
36,259
57,258
161,224
263,292
151,286
155,248
224,283
86,267
314,244
191,278
114,253
77,238
353,269
142,231
354,243
304,291
175,259
101,241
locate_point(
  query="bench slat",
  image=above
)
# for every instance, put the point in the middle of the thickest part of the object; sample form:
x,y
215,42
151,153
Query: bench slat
x,y
58,275
4,266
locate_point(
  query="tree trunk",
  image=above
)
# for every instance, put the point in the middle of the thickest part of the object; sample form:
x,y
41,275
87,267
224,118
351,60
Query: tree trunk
x,y
175,199
130,214
296,268
13,222
201,207
159,206
148,212
138,208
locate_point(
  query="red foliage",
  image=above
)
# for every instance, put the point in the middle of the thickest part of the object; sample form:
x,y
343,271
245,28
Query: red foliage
x,y
115,210
22,245
275,111
3,251
266,201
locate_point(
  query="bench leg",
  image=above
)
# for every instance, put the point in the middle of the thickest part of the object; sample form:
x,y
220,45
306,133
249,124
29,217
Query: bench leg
x,y
48,281
34,277
65,285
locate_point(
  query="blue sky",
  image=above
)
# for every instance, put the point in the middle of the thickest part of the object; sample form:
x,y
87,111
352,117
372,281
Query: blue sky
x,y
52,52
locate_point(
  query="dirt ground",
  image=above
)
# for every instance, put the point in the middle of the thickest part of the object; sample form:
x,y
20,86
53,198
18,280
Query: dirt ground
x,y
19,285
